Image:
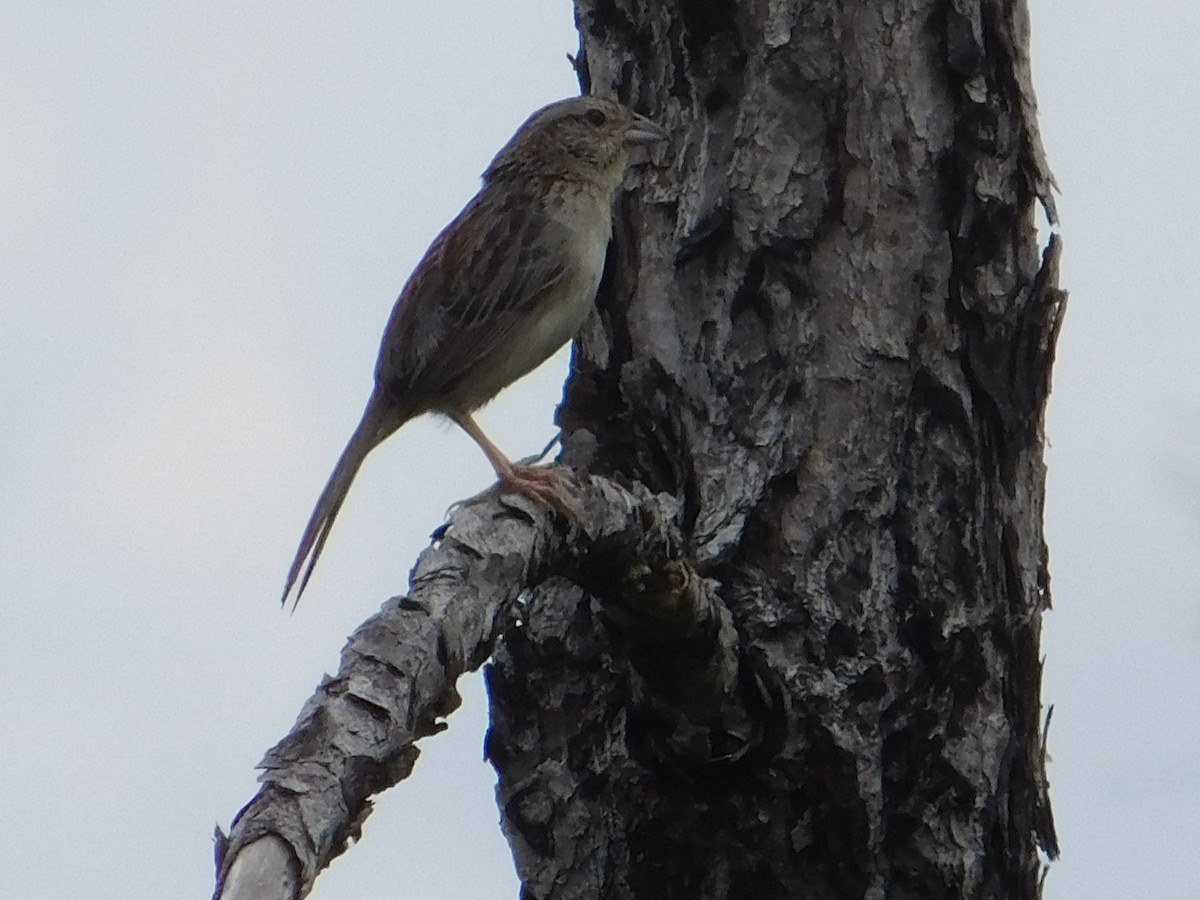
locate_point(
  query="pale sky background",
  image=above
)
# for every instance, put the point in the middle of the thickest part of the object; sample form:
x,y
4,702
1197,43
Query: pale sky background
x,y
206,211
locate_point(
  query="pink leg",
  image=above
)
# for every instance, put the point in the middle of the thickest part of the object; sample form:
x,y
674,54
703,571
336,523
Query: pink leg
x,y
545,485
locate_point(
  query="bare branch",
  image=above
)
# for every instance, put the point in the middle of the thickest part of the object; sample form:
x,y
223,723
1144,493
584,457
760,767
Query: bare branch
x,y
356,735
264,870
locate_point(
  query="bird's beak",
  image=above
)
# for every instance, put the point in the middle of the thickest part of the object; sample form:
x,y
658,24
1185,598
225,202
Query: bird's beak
x,y
644,131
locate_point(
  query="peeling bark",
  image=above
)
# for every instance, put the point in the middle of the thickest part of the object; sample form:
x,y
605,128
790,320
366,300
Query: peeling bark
x,y
356,735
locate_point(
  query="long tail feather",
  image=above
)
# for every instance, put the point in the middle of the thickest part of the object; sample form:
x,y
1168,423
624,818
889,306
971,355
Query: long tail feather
x,y
375,425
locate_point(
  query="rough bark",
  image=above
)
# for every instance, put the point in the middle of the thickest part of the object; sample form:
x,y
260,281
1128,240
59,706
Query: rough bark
x,y
787,645
826,329
356,735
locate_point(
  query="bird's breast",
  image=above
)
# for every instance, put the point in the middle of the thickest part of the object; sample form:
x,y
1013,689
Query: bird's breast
x,y
562,310
569,303
579,241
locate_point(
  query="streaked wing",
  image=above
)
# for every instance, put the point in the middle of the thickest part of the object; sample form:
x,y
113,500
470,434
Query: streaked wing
x,y
475,286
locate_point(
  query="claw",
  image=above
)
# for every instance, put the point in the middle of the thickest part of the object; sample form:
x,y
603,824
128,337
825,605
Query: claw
x,y
541,484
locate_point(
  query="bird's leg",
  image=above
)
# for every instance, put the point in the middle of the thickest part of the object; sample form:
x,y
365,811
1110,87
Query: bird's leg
x,y
540,483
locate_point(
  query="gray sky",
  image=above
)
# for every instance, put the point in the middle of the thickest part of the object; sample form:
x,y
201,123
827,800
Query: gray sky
x,y
208,209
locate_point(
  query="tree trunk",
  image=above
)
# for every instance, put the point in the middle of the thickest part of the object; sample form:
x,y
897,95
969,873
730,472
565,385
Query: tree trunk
x,y
824,330
787,644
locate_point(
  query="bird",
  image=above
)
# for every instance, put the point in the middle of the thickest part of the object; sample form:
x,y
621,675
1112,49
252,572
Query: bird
x,y
510,280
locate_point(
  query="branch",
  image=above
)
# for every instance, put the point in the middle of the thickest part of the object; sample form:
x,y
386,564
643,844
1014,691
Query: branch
x,y
355,736
713,704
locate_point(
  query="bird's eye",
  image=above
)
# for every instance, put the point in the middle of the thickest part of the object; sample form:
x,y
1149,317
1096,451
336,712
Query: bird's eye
x,y
596,117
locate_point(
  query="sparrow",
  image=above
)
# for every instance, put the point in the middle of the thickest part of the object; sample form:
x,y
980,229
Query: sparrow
x,y
510,280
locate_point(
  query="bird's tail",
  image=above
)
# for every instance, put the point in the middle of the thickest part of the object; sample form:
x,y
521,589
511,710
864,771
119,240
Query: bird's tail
x,y
376,424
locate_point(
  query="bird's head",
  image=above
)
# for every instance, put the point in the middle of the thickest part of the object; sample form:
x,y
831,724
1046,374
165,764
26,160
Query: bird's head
x,y
585,137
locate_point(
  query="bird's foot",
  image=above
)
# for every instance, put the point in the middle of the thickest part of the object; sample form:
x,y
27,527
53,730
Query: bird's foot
x,y
543,484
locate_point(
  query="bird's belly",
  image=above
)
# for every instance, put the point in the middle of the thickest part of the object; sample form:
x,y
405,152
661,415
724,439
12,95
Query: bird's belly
x,y
556,323
560,321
